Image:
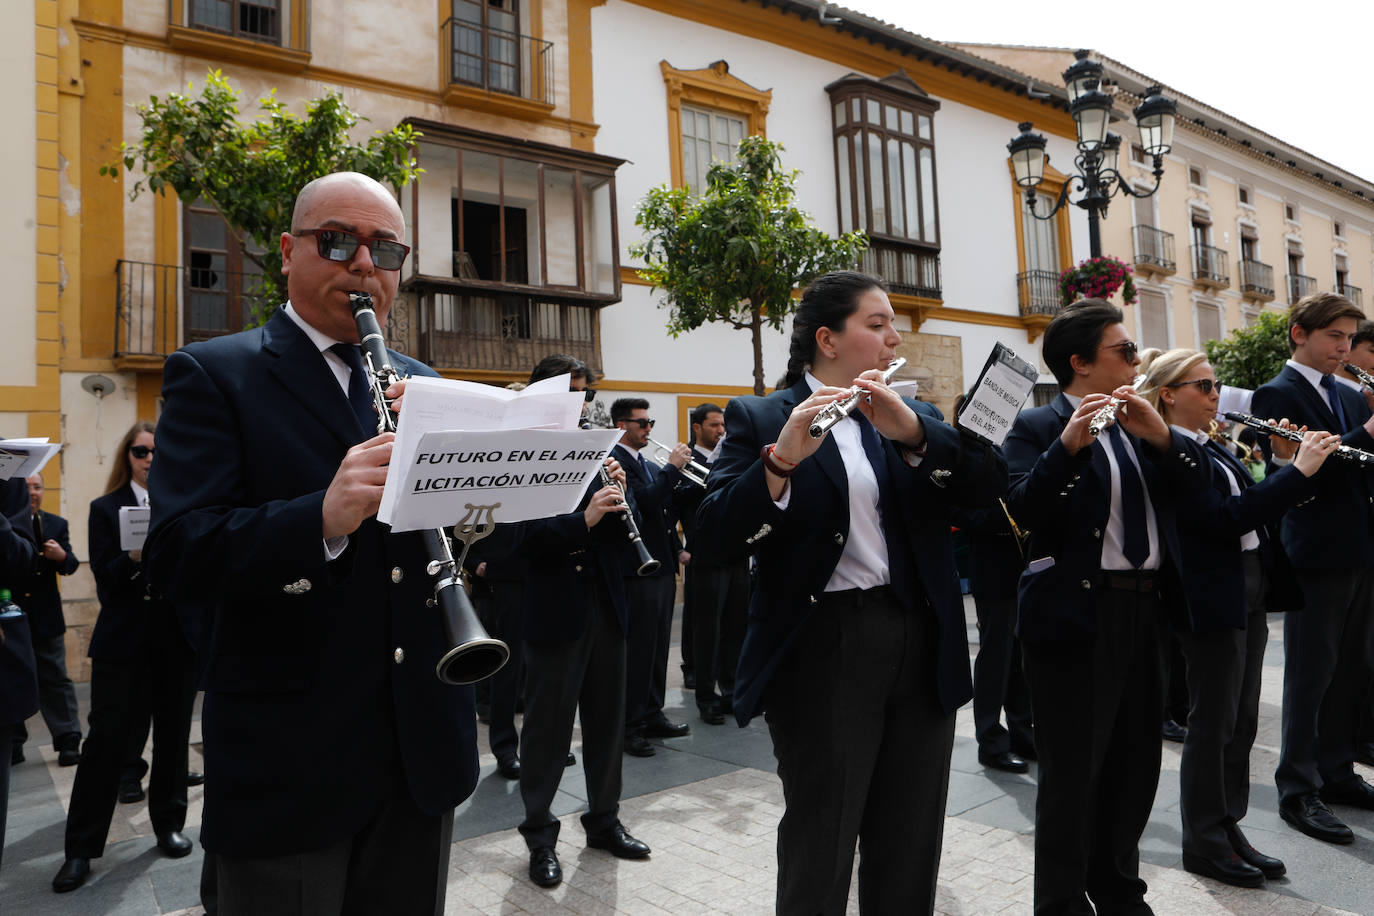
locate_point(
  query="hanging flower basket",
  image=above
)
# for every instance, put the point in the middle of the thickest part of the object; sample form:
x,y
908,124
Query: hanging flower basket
x,y
1097,278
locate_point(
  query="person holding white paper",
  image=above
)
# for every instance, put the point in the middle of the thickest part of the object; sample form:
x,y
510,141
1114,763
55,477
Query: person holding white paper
x,y
140,665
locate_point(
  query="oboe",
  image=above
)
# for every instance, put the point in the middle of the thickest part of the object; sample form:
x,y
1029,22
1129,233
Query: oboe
x,y
1107,415
474,654
836,411
647,564
1349,453
1366,379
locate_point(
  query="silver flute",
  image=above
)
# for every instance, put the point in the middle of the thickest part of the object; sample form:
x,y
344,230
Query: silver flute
x,y
1348,452
1107,415
1366,379
836,411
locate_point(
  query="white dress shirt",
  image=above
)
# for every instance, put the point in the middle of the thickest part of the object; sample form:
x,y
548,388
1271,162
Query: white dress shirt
x,y
1114,540
140,493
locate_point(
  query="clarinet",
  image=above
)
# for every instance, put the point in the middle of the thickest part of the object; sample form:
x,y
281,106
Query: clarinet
x,y
836,411
1349,453
647,564
1366,379
473,654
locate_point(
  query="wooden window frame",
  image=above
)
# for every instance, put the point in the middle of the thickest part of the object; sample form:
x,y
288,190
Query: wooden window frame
x,y
714,88
290,55
1050,188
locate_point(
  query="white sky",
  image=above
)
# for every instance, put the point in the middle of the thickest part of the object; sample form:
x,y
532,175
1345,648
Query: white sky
x,y
1299,72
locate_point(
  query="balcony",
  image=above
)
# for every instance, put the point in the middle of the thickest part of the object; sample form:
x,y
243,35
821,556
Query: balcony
x,y
1257,281
1353,293
497,71
158,307
1300,285
1154,250
491,333
1209,267
1037,291
907,269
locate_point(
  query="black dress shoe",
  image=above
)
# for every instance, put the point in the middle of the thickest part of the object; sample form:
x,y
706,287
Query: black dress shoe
x,y
571,760
72,874
1230,870
662,728
1172,731
544,868
509,768
1355,792
68,757
1309,814
1005,761
636,745
1025,751
131,791
174,844
195,778
1272,867
710,713
618,843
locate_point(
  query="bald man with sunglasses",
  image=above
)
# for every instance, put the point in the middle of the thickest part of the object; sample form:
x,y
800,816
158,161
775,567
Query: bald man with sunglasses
x,y
317,640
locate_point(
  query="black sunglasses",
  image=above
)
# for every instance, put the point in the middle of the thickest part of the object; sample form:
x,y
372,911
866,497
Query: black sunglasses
x,y
1205,385
1128,349
140,451
641,422
589,394
342,245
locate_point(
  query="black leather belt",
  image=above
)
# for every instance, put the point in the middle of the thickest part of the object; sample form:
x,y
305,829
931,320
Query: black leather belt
x,y
1131,580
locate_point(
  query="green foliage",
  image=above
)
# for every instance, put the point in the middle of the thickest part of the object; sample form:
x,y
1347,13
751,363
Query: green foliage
x,y
1251,356
251,172
736,253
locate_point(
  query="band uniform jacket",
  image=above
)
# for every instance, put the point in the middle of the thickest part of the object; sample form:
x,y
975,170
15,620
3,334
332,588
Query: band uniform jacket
x,y
1334,530
797,548
129,608
1065,501
652,489
331,664
18,682
39,595
1210,526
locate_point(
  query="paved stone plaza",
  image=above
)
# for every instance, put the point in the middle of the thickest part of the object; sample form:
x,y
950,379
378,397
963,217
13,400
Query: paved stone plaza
x,y
708,804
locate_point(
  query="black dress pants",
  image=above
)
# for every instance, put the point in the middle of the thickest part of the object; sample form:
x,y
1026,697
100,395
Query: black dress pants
x,y
122,693
721,598
500,613
863,751
1224,669
650,600
561,679
1097,709
1328,649
998,682
56,695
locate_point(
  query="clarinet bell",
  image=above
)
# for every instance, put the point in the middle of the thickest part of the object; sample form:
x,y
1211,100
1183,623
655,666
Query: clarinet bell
x,y
474,655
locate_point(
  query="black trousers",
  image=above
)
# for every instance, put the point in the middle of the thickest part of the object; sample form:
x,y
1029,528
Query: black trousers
x,y
1224,669
1097,736
121,694
7,738
1328,651
397,864
56,695
687,648
998,682
561,678
721,598
650,599
863,751
500,613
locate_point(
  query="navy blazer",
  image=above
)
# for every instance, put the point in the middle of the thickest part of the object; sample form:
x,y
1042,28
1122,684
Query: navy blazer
x,y
18,683
128,607
1335,530
1210,526
39,595
297,651
797,548
652,491
1065,500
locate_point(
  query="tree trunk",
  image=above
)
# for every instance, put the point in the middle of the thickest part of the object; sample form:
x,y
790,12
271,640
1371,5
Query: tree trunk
x,y
756,330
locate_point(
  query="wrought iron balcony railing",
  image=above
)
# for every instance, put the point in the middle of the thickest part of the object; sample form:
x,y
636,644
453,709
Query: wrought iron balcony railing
x,y
158,307
1154,248
1257,279
1353,293
908,270
1300,285
498,61
1037,291
1209,266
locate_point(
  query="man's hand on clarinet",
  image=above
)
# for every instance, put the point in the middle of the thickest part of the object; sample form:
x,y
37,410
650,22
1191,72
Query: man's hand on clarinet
x,y
355,493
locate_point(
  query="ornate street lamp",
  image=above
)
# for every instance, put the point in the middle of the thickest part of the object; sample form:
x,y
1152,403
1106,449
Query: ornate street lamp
x,y
1098,149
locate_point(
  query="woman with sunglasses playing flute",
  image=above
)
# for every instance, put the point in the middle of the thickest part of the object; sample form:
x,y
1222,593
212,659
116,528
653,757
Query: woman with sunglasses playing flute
x,y
856,648
1233,572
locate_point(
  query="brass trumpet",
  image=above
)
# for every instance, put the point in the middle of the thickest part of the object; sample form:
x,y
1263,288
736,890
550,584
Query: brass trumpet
x,y
694,471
